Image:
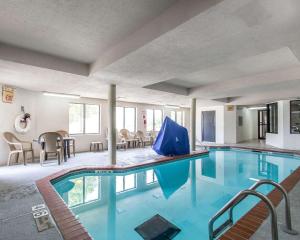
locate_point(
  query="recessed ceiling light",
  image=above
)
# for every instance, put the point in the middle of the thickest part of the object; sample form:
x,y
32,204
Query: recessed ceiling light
x,y
62,95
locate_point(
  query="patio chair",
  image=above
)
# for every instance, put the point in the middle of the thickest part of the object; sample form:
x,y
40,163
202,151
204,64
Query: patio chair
x,y
142,140
17,146
124,133
120,142
51,142
129,138
151,135
71,142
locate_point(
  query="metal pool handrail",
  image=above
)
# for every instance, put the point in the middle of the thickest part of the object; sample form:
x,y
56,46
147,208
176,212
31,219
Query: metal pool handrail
x,y
288,220
233,202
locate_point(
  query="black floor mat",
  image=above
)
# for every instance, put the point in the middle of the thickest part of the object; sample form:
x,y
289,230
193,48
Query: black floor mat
x,y
157,228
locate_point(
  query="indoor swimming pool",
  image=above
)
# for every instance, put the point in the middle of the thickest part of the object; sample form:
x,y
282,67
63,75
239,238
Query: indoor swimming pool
x,y
110,205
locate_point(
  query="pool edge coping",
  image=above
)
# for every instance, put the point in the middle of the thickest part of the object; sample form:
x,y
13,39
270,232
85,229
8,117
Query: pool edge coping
x,y
71,228
68,225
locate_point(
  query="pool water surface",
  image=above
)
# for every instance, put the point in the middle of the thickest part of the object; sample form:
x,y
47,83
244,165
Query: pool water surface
x,y
186,192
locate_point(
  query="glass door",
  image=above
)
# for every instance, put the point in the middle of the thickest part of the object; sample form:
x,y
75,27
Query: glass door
x,y
262,124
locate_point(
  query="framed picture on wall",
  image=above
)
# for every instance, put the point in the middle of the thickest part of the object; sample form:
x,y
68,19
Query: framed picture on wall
x,y
8,94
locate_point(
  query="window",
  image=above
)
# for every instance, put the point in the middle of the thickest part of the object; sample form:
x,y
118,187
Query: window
x,y
154,119
129,119
150,177
92,118
125,183
178,116
173,115
119,118
158,115
76,118
272,112
84,118
150,117
126,118
295,117
86,189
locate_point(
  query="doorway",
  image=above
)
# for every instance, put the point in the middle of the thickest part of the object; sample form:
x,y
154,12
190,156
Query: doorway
x,y
262,124
209,126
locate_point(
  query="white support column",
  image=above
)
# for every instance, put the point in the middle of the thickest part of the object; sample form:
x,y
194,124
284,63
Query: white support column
x,y
193,125
112,124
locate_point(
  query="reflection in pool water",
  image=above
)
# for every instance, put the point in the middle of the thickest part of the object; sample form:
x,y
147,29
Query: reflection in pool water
x,y
267,169
186,192
172,177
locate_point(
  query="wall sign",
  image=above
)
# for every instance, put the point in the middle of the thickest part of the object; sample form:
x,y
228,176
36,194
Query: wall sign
x,y
8,94
230,108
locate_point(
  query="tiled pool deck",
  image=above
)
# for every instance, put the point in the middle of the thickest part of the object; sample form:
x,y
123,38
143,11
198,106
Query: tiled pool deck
x,y
18,188
18,191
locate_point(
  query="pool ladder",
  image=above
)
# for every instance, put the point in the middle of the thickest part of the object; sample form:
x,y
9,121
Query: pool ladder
x,y
213,234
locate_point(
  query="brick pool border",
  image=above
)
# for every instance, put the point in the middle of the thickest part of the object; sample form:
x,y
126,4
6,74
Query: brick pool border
x,y
244,228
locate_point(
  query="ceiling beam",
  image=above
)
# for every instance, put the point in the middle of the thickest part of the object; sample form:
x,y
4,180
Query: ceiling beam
x,y
225,88
37,59
177,14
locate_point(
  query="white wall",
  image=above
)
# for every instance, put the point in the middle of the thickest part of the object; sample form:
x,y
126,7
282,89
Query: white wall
x,y
249,129
284,139
227,129
52,114
230,130
8,113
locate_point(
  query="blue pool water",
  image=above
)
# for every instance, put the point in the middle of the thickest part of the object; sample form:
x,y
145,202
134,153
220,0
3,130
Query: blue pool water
x,y
186,192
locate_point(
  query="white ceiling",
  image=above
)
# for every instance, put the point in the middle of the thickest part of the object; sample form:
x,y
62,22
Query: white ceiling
x,y
78,30
246,49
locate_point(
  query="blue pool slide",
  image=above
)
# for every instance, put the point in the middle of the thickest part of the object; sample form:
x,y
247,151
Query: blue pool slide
x,y
172,139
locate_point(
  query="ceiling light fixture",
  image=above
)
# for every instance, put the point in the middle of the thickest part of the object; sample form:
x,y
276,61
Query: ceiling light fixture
x,y
172,106
63,95
257,108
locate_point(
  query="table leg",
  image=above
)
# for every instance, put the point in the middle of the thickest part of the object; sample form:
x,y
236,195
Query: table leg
x,y
65,152
68,149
